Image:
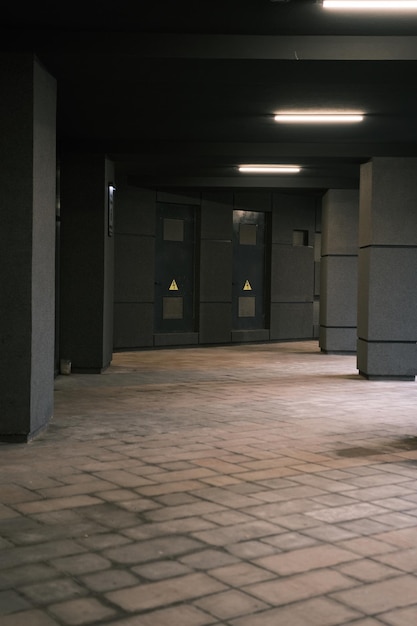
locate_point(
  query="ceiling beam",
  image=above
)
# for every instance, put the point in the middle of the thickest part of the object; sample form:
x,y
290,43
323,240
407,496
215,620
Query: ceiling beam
x,y
234,151
246,182
233,47
264,47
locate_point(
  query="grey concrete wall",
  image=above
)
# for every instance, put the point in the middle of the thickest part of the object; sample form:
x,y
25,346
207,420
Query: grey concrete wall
x,y
135,214
27,241
292,267
387,293
86,333
294,287
216,224
339,271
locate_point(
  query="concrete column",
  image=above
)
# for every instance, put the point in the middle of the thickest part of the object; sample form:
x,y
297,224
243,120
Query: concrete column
x,y
215,318
87,262
387,295
27,243
292,266
339,271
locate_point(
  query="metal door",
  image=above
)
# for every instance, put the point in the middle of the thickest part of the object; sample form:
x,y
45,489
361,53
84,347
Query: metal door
x,y
248,291
174,268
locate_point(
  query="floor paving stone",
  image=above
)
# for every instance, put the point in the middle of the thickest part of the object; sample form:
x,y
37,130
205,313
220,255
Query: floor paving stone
x,y
230,604
315,612
240,574
304,559
241,485
401,617
152,595
82,611
109,580
381,596
184,615
52,591
24,618
11,602
300,587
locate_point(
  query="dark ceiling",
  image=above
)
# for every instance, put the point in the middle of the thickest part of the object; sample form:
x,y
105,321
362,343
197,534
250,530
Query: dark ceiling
x,y
180,93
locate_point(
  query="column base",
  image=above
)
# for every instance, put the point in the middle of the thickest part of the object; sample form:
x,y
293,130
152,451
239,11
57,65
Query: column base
x,y
22,437
387,360
387,378
338,339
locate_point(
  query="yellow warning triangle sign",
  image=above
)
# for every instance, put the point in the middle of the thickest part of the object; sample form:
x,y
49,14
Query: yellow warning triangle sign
x,y
173,286
247,287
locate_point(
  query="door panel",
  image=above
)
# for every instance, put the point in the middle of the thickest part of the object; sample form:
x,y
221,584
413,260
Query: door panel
x,y
248,270
174,268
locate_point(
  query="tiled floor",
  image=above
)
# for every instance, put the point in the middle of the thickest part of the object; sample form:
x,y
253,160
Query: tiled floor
x,y
260,485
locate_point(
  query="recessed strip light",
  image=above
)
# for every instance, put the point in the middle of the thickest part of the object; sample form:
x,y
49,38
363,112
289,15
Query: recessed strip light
x,y
318,118
374,5
270,169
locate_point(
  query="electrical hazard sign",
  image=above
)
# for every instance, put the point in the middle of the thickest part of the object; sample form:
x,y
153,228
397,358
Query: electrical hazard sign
x,y
173,286
247,286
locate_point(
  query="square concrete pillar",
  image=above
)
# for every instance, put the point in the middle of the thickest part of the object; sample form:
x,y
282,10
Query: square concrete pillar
x,y
387,294
27,241
339,275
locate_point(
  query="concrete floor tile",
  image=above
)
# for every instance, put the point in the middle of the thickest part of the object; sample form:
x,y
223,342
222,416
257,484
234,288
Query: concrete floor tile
x,y
48,592
183,615
315,612
82,611
347,513
152,550
25,618
80,488
228,517
365,526
251,549
368,621
238,532
316,557
25,575
401,538
401,617
208,559
158,594
109,580
367,570
81,564
240,574
184,510
160,570
381,596
402,560
397,504
110,516
366,546
13,493
11,602
290,541
330,533
7,513
101,541
14,557
55,504
300,587
230,604
211,473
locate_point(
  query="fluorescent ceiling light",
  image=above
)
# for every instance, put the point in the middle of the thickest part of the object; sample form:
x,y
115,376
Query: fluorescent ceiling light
x,y
365,5
319,118
270,169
